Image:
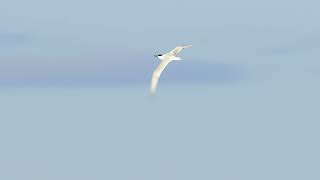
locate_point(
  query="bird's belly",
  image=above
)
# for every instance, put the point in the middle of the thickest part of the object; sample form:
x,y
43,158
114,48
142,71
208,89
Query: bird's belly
x,y
174,58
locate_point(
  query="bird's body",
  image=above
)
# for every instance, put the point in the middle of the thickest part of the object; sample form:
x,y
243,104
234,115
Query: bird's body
x,y
172,58
165,60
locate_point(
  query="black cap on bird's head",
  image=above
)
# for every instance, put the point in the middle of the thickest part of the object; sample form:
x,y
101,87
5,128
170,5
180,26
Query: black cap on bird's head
x,y
157,55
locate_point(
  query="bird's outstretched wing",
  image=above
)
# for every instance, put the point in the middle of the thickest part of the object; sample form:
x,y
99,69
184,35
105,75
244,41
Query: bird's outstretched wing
x,y
176,50
156,74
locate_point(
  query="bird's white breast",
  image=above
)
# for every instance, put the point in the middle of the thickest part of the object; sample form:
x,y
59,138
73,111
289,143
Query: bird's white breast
x,y
161,57
175,58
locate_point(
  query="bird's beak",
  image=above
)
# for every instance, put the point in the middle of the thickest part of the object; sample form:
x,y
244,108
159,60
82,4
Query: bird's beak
x,y
155,55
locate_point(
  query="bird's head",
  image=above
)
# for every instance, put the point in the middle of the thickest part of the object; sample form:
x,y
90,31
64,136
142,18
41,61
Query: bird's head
x,y
157,55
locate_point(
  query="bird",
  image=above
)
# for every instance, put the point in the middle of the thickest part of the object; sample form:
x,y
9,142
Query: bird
x,y
165,60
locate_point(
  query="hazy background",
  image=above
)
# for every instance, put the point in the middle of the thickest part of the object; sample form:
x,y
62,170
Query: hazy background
x,y
74,90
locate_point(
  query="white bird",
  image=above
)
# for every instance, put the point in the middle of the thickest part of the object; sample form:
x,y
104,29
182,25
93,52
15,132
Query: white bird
x,y
165,60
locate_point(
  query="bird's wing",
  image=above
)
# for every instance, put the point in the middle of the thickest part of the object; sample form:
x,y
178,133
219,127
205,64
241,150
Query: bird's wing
x,y
156,74
176,50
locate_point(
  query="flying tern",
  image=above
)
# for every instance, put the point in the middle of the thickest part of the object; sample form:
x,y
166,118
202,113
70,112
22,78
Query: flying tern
x,y
165,60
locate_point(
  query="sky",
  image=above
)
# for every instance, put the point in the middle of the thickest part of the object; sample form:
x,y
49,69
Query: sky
x,y
243,103
85,37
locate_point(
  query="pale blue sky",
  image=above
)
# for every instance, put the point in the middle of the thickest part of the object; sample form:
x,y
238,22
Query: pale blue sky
x,y
74,90
189,132
247,35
